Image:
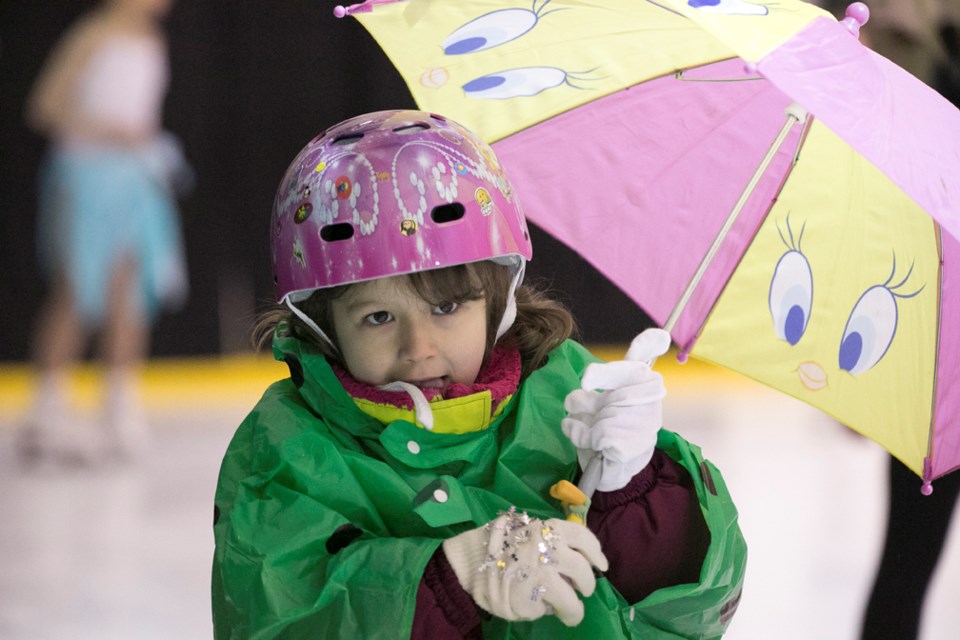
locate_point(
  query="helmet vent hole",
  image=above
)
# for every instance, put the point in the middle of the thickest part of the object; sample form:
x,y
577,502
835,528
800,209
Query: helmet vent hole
x,y
438,118
406,130
336,232
349,138
447,212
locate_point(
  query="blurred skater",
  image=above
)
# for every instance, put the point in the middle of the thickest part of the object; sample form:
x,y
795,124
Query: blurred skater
x,y
921,36
108,229
917,528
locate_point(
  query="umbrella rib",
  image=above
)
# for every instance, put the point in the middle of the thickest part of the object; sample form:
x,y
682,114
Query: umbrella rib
x,y
927,475
795,114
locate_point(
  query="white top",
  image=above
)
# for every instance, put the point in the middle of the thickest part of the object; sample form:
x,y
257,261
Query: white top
x,y
124,83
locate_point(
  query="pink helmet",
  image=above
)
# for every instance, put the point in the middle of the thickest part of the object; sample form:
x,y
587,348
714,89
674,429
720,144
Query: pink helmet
x,y
390,193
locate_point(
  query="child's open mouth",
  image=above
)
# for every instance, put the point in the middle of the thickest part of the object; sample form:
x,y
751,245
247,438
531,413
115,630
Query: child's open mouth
x,y
431,383
431,387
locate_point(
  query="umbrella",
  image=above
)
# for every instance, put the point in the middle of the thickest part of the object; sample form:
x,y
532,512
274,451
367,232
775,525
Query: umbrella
x,y
781,199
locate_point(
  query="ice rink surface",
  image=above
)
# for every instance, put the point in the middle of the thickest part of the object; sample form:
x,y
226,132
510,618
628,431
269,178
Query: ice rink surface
x,y
121,552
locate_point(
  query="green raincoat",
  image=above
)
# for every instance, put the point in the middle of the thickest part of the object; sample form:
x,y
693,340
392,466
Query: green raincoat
x,y
325,518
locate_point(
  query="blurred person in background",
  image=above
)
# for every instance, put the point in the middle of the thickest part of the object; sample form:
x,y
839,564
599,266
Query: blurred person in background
x,y
109,238
920,36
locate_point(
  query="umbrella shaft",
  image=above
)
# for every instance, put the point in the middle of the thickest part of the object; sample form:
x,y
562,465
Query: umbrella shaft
x,y
795,114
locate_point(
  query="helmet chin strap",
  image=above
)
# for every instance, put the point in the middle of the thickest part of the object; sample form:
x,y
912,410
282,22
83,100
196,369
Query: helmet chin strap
x,y
421,406
307,320
510,312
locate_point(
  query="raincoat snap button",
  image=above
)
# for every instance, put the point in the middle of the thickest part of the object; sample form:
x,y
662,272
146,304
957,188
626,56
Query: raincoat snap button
x,y
413,447
440,495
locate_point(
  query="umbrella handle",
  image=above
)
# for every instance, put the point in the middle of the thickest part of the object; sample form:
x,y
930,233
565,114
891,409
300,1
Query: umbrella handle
x,y
656,342
591,475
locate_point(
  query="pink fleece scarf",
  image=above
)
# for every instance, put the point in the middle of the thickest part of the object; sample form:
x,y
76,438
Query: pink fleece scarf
x,y
500,375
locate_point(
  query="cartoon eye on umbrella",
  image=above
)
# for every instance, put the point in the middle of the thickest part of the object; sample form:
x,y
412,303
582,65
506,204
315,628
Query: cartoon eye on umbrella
x,y
791,291
747,172
494,29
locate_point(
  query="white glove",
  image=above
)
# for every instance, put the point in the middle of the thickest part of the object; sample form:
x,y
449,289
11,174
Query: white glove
x,y
521,568
617,412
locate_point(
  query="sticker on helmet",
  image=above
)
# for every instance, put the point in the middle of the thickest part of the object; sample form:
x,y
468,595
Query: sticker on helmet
x,y
298,252
408,226
344,187
482,196
303,212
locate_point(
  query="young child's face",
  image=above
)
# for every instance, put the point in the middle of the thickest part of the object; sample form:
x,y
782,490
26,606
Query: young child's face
x,y
388,333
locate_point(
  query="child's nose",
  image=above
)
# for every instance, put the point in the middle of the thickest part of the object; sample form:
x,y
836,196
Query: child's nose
x,y
418,343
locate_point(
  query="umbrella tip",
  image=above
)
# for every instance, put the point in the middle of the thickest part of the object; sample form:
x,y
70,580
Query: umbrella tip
x,y
366,6
856,15
927,476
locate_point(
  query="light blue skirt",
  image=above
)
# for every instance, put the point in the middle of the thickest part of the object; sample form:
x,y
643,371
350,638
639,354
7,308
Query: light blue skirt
x,y
99,206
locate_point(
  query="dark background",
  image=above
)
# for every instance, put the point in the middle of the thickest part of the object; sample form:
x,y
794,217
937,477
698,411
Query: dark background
x,y
252,82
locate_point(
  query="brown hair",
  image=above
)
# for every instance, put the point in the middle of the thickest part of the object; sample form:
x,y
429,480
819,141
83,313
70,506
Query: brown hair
x,y
542,323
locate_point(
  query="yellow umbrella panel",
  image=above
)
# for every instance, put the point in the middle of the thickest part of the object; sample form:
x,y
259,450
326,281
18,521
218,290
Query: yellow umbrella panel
x,y
841,310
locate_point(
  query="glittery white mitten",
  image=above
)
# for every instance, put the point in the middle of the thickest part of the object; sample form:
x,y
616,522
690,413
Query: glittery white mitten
x,y
521,568
617,412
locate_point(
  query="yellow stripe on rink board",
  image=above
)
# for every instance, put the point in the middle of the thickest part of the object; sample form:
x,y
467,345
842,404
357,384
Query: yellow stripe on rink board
x,y
165,382
170,382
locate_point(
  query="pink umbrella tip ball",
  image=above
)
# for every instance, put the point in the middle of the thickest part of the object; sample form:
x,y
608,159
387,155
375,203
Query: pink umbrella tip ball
x,y
856,16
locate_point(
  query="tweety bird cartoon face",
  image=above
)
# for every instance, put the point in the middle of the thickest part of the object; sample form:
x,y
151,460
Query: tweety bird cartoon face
x,y
474,63
835,303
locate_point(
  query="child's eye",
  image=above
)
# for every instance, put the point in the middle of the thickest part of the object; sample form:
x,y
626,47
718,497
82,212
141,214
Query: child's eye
x,y
445,308
378,318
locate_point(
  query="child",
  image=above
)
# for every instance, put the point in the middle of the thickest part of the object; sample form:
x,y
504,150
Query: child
x,y
109,236
398,483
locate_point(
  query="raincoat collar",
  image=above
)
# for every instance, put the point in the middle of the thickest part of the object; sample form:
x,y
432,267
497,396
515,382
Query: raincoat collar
x,y
459,409
364,410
